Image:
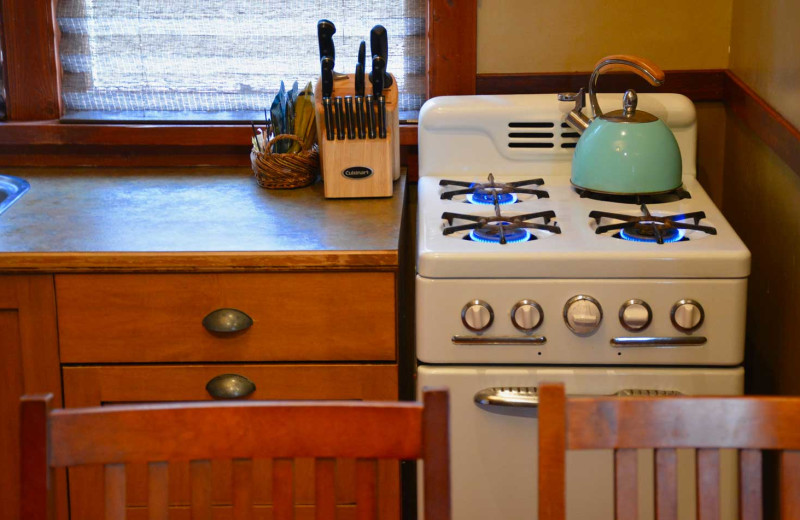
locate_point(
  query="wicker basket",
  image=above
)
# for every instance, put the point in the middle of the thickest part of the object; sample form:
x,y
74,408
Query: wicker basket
x,y
285,170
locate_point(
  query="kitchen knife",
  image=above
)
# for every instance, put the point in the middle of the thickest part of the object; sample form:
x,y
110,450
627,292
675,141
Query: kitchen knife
x,y
325,32
379,46
359,88
370,116
378,71
350,117
337,101
327,91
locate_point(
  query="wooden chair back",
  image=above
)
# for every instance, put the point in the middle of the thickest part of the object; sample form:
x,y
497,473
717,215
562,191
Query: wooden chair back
x,y
240,431
707,424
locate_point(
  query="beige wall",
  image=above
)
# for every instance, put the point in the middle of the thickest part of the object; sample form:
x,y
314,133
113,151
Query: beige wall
x,y
762,194
518,36
765,52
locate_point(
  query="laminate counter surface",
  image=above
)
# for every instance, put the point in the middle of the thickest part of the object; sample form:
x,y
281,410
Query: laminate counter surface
x,y
190,219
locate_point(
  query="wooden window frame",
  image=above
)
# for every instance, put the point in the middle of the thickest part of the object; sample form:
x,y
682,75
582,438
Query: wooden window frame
x,y
33,134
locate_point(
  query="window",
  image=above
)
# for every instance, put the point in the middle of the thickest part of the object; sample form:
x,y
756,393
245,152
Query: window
x,y
223,60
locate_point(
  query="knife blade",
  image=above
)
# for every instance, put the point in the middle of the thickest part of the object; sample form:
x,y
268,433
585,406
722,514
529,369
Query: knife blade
x,y
359,90
379,46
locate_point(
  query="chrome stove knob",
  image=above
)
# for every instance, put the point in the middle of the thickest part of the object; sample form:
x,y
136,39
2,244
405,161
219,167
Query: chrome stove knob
x,y
526,315
477,315
687,315
635,315
582,314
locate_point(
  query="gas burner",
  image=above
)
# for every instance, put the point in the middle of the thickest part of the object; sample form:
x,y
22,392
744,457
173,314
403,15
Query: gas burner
x,y
650,228
501,229
638,199
492,193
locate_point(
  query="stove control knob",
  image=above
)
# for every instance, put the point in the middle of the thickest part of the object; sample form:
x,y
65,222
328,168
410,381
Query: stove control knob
x,y
477,315
635,315
526,315
582,314
687,315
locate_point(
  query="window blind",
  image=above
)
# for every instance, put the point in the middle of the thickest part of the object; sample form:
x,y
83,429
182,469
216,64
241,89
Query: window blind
x,y
220,59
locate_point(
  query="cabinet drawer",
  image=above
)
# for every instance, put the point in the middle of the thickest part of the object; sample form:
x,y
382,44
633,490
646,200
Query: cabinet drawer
x,y
136,318
103,385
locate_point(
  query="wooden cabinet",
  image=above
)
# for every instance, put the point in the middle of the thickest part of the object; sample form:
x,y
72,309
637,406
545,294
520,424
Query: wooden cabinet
x,y
28,364
96,385
134,338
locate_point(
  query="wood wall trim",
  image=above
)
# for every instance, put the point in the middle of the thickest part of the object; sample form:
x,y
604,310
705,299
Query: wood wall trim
x,y
32,66
452,48
771,127
697,85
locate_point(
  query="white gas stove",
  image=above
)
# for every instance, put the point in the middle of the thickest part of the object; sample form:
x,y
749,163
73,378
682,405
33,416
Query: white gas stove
x,y
522,278
569,278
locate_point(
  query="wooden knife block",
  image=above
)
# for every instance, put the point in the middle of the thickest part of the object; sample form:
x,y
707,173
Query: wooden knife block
x,y
382,156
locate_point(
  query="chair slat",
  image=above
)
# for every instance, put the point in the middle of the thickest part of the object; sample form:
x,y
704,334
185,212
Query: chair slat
x,y
436,453
282,489
790,484
114,491
626,496
35,472
750,485
325,489
708,484
158,491
366,483
552,455
242,489
200,475
666,484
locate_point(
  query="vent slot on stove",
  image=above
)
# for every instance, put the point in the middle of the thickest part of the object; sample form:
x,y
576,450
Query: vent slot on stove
x,y
535,134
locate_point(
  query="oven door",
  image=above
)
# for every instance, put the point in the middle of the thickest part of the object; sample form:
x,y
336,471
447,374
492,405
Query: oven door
x,y
493,447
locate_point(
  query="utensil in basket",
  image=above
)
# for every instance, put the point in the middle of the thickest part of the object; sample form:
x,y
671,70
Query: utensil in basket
x,y
285,170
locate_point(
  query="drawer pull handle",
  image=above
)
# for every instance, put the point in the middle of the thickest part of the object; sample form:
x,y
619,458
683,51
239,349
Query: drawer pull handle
x,y
230,386
227,321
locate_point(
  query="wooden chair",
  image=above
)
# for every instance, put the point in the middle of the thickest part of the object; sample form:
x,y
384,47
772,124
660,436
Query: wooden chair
x,y
200,432
625,424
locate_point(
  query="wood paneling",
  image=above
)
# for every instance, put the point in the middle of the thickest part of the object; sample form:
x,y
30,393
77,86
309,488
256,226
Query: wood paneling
x,y
697,85
452,47
33,78
770,126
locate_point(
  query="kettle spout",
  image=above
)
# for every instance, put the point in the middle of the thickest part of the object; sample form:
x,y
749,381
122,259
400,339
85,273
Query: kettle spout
x,y
576,118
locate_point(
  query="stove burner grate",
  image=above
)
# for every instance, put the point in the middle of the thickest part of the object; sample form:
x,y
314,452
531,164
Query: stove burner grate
x,y
491,192
650,228
501,229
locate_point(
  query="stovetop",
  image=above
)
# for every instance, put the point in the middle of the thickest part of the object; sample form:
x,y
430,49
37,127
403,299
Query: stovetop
x,y
556,234
548,229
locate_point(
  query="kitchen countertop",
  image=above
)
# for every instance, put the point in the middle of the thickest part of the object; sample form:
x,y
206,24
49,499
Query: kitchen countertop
x,y
190,219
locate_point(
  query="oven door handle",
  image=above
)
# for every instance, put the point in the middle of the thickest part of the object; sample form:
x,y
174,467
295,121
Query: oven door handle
x,y
528,396
498,340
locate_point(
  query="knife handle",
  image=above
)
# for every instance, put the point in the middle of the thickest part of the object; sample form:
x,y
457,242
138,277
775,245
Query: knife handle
x,y
328,110
378,73
370,117
382,117
360,116
337,101
379,46
350,117
325,32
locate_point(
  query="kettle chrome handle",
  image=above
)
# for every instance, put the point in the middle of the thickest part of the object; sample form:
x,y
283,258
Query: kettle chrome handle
x,y
622,62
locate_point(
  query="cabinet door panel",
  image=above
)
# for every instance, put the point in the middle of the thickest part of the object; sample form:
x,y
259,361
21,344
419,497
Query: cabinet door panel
x,y
117,318
28,365
104,385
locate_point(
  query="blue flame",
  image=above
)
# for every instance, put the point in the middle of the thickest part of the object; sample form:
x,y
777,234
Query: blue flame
x,y
517,235
488,198
674,235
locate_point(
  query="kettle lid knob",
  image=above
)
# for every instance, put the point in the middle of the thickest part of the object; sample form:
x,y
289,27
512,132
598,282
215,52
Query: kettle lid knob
x,y
629,102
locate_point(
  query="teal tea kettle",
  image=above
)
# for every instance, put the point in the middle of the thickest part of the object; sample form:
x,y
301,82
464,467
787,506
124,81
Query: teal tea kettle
x,y
626,151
